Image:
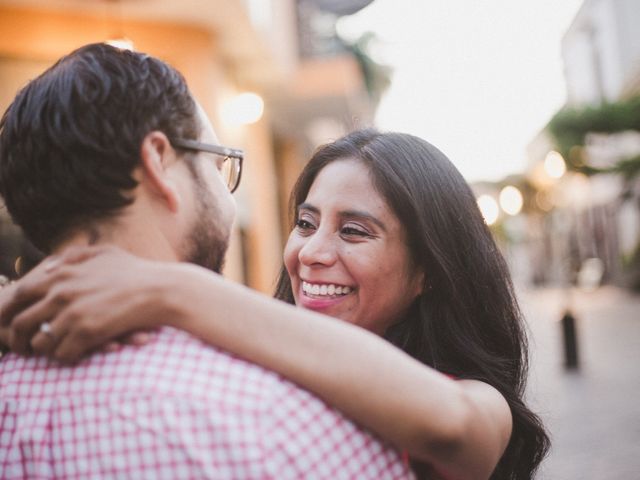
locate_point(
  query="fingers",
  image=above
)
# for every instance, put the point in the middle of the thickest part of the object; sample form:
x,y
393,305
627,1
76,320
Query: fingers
x,y
77,254
137,338
76,330
82,306
6,296
36,283
79,341
26,326
111,347
68,352
70,339
67,326
29,289
45,342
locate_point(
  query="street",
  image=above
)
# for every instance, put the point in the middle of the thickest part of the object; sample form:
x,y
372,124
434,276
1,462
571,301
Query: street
x,y
592,413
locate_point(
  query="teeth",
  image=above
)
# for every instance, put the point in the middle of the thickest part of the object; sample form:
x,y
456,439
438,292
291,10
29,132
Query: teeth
x,y
330,289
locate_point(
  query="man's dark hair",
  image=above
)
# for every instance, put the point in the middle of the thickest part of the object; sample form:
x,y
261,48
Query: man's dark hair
x,y
71,139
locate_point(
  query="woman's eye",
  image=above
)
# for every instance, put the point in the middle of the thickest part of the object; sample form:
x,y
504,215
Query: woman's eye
x,y
304,224
351,231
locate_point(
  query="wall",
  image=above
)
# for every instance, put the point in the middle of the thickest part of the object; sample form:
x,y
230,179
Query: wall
x,y
32,39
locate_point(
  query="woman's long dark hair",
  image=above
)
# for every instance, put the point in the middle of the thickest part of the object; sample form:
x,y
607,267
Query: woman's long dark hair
x,y
467,323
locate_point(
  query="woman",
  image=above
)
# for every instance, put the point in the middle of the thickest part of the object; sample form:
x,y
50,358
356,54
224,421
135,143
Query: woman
x,y
388,237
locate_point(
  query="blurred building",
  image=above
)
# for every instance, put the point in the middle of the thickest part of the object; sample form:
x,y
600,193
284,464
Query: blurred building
x,y
601,52
285,51
578,217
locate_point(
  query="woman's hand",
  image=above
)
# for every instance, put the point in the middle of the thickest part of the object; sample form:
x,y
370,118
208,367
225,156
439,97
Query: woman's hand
x,y
88,297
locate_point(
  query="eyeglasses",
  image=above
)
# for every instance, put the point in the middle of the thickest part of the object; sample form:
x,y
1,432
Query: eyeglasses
x,y
231,166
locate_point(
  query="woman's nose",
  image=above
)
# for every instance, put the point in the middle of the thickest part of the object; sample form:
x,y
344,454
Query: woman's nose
x,y
317,250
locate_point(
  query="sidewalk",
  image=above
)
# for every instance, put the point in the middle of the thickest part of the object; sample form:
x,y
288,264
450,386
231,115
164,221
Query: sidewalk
x,y
593,414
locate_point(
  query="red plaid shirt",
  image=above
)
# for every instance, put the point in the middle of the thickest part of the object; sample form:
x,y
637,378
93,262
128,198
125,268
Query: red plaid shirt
x,y
175,409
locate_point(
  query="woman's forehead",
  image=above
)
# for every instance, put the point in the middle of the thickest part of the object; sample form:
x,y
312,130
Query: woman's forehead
x,y
347,185
348,177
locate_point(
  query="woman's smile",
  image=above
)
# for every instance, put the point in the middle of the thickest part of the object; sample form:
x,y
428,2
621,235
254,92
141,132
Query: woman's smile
x,y
323,297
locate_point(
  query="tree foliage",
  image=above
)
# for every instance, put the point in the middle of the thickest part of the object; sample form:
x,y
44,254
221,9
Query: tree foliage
x,y
570,126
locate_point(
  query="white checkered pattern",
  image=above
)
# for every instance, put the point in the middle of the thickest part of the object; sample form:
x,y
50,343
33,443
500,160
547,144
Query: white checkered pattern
x,y
175,409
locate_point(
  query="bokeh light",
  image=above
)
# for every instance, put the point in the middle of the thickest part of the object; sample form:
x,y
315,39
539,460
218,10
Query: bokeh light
x,y
511,200
554,165
243,109
489,208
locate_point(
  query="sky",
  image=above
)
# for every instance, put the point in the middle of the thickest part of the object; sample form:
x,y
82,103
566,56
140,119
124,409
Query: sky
x,y
478,79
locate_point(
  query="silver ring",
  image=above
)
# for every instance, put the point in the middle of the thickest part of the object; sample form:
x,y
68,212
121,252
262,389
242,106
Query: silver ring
x,y
46,329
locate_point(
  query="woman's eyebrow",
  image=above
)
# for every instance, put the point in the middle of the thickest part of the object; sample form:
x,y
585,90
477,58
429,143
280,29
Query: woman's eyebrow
x,y
363,214
308,206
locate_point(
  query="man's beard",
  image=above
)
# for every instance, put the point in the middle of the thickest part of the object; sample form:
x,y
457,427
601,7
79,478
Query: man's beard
x,y
207,242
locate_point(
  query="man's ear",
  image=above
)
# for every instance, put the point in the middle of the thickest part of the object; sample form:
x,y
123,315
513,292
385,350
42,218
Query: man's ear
x,y
157,155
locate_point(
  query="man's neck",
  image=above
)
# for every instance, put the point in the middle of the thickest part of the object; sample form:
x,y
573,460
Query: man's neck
x,y
143,241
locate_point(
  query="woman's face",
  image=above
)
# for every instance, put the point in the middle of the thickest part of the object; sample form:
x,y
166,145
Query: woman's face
x,y
347,255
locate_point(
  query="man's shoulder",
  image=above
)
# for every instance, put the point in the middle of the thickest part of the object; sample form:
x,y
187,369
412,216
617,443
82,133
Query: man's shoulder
x,y
176,384
173,363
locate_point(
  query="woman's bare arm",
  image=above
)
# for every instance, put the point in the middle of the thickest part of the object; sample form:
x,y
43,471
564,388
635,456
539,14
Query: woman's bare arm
x,y
460,427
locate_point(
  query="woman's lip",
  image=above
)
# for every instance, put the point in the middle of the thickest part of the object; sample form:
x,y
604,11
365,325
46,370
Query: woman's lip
x,y
313,303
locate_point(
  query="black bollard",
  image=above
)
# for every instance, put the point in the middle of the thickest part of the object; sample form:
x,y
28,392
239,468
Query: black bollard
x,y
570,339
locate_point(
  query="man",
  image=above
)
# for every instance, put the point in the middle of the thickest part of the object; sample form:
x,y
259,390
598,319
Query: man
x,y
109,147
